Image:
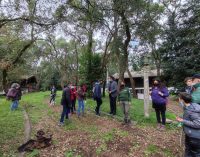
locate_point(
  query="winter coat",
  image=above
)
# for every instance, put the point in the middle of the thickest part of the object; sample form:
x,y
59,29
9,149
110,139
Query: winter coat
x,y
157,98
113,89
196,93
66,97
16,92
124,95
73,93
97,90
191,122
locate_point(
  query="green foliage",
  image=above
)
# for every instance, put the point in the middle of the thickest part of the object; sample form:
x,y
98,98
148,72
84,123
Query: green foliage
x,y
180,51
34,153
90,69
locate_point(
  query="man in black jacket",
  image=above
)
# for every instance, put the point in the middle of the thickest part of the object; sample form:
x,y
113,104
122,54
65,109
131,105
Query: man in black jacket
x,y
66,103
191,125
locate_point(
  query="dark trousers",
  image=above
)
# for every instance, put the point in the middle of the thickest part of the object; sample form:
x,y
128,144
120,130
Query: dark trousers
x,y
73,108
113,105
99,102
64,113
53,97
160,112
192,147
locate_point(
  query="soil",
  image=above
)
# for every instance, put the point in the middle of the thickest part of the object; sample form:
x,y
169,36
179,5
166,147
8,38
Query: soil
x,y
92,136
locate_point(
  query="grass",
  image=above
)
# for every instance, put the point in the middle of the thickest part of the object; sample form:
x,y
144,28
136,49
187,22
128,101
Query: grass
x,y
12,123
11,130
136,111
152,150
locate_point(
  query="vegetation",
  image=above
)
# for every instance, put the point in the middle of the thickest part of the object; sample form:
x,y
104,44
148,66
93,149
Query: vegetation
x,y
12,125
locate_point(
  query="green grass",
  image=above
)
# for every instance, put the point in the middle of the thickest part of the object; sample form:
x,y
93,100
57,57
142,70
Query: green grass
x,y
11,130
136,111
152,150
12,123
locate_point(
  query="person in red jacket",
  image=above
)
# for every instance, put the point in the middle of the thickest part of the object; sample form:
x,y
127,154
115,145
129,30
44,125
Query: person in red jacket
x,y
73,98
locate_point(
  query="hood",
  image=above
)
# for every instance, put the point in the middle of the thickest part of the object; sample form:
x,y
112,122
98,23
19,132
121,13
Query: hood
x,y
194,108
196,85
97,83
15,85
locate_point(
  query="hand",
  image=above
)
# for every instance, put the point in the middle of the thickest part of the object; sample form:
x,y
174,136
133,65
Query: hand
x,y
160,93
179,119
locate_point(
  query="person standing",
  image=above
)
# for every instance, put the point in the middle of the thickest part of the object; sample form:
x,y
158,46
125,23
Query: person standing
x,y
112,90
53,95
14,94
97,96
196,89
73,98
66,103
191,125
124,99
81,96
159,96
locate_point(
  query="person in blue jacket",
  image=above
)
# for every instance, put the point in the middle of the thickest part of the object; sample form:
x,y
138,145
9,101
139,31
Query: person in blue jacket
x,y
97,96
191,125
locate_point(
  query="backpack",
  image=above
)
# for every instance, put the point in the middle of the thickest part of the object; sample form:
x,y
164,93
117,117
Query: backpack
x,y
12,93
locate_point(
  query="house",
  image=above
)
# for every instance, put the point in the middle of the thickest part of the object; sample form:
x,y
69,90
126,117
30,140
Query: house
x,y
28,84
138,77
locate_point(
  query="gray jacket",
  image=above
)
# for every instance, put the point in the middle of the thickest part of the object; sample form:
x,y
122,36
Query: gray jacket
x,y
191,122
113,88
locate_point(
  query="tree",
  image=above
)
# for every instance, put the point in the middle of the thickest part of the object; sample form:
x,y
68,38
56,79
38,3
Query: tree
x,y
181,49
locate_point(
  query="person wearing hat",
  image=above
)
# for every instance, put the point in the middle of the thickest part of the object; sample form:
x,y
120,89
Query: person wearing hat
x,y
196,89
112,90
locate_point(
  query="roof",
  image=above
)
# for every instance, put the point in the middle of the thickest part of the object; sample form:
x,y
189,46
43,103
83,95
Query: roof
x,y
135,74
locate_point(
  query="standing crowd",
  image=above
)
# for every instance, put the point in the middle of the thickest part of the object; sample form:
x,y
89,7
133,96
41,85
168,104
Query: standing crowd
x,y
189,100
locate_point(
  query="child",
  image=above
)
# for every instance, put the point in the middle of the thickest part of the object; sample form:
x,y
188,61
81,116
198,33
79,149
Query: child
x,y
191,124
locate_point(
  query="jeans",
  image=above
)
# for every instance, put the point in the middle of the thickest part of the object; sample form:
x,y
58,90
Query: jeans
x,y
73,108
80,106
99,102
192,147
113,105
160,110
125,108
52,100
14,105
64,113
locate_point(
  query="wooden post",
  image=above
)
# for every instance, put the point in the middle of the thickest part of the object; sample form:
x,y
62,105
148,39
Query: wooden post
x,y
146,91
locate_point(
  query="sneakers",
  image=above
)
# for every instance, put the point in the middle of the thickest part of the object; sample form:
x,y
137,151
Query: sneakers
x,y
162,128
60,124
158,126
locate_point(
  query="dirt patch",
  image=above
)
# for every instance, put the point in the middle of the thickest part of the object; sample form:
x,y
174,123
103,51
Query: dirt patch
x,y
92,136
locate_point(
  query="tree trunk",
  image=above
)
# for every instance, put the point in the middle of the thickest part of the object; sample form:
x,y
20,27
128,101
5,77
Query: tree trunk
x,y
77,64
158,69
132,83
4,80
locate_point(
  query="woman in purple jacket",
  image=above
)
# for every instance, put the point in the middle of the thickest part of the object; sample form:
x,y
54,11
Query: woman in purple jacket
x,y
159,96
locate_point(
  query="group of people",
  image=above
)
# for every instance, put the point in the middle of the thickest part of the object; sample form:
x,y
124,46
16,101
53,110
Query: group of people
x,y
189,100
68,101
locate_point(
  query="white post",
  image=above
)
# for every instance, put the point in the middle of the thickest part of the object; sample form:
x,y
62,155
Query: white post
x,y
146,91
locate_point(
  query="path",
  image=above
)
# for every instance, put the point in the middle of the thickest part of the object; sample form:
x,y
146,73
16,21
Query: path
x,y
93,136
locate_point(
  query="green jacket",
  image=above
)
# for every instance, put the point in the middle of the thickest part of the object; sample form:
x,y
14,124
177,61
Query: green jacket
x,y
124,95
196,94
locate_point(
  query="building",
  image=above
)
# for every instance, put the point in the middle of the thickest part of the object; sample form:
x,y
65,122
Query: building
x,y
138,77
